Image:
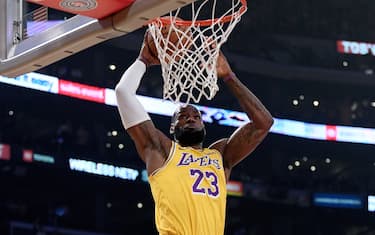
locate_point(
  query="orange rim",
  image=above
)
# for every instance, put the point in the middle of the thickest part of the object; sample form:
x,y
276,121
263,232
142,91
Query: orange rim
x,y
167,21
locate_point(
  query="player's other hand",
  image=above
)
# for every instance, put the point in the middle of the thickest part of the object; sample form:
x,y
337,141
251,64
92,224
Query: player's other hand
x,y
145,54
222,67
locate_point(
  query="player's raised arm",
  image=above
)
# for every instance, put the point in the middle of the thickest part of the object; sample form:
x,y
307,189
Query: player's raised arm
x,y
152,145
246,138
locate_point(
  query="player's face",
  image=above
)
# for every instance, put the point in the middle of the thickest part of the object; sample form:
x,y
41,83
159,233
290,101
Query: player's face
x,y
189,117
188,127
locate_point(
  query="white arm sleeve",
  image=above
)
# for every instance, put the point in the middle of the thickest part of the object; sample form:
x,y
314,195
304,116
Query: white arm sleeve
x,y
131,110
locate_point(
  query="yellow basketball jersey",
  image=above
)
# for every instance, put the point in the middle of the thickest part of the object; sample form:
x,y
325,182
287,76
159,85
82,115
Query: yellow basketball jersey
x,y
190,192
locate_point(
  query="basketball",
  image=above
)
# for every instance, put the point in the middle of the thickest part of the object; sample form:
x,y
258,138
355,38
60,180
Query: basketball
x,y
151,44
174,36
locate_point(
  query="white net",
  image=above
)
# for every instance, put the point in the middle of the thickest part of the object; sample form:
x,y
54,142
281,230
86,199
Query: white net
x,y
188,50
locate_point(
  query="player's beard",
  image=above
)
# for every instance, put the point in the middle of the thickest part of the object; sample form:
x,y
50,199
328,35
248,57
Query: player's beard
x,y
189,136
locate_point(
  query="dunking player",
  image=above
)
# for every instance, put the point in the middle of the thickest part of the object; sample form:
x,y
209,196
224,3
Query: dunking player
x,y
188,181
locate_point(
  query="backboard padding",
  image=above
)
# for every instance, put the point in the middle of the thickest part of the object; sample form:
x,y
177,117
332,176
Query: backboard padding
x,y
98,9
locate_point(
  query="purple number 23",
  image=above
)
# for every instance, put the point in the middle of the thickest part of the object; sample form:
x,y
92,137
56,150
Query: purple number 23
x,y
213,190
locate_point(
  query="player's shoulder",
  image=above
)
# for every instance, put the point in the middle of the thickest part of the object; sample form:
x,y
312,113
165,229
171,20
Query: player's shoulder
x,y
219,145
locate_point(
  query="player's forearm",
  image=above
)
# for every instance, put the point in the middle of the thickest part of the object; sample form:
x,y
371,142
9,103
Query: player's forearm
x,y
131,110
249,103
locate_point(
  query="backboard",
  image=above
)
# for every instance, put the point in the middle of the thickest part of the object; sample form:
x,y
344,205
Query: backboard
x,y
94,21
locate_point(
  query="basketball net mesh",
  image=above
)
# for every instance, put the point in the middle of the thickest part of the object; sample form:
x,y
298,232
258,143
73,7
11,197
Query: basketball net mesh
x,y
189,64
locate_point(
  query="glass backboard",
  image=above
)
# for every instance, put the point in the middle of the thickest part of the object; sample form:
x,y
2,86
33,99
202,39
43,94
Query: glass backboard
x,y
25,47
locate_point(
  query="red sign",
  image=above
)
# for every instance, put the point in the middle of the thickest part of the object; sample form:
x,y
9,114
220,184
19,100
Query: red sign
x,y
331,133
4,152
356,48
27,155
92,8
81,91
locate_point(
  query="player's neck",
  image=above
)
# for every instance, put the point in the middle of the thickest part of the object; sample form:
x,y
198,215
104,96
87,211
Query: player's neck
x,y
198,146
195,146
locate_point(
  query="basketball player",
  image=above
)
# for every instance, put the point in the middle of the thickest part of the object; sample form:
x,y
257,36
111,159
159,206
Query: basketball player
x,y
188,181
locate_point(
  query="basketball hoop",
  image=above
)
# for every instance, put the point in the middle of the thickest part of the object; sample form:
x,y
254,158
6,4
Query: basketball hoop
x,y
189,64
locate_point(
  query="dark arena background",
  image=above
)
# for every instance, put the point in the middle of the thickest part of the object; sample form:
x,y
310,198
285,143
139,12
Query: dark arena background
x,y
68,167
